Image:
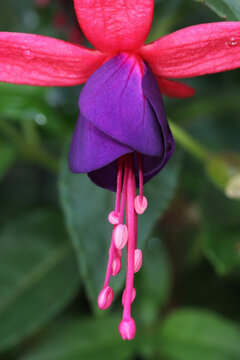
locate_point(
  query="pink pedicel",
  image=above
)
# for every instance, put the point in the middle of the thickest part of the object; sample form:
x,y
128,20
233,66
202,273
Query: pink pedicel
x,y
127,205
105,298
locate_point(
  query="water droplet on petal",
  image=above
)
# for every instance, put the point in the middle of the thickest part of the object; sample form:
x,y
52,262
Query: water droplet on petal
x,y
28,55
231,42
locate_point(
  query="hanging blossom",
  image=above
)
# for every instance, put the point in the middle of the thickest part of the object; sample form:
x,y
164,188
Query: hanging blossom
x,y
122,138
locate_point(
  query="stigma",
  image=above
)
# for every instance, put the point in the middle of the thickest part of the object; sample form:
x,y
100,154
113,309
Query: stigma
x,y
124,220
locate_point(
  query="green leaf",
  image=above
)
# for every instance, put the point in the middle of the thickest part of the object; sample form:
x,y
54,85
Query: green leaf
x,y
226,9
220,232
38,274
153,282
86,208
196,334
8,156
159,192
86,339
29,103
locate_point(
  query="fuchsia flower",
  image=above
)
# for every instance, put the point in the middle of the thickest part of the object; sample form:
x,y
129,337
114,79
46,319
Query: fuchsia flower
x,y
122,138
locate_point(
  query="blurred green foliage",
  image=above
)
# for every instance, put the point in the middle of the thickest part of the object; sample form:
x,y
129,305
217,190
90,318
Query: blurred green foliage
x,y
53,229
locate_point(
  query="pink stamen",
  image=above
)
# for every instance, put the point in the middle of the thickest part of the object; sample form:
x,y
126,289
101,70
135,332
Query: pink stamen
x,y
140,202
119,185
114,259
127,326
137,260
120,236
140,170
127,329
116,266
113,218
110,261
105,298
124,196
133,296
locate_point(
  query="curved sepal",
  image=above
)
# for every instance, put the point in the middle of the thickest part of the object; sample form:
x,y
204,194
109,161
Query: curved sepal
x,y
175,89
44,61
196,50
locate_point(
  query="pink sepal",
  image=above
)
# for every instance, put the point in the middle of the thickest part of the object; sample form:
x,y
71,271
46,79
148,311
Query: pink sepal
x,y
44,61
175,89
195,50
115,25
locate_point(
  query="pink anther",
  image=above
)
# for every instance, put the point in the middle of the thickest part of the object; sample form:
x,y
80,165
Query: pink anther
x,y
133,296
127,329
120,236
113,218
140,204
137,260
116,266
105,298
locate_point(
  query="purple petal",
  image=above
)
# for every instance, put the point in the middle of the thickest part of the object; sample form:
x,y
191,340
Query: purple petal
x,y
106,177
121,112
113,101
91,149
152,93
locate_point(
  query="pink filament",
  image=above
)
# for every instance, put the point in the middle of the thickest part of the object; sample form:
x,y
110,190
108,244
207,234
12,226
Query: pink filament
x,y
125,199
119,206
119,185
131,224
140,202
140,171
